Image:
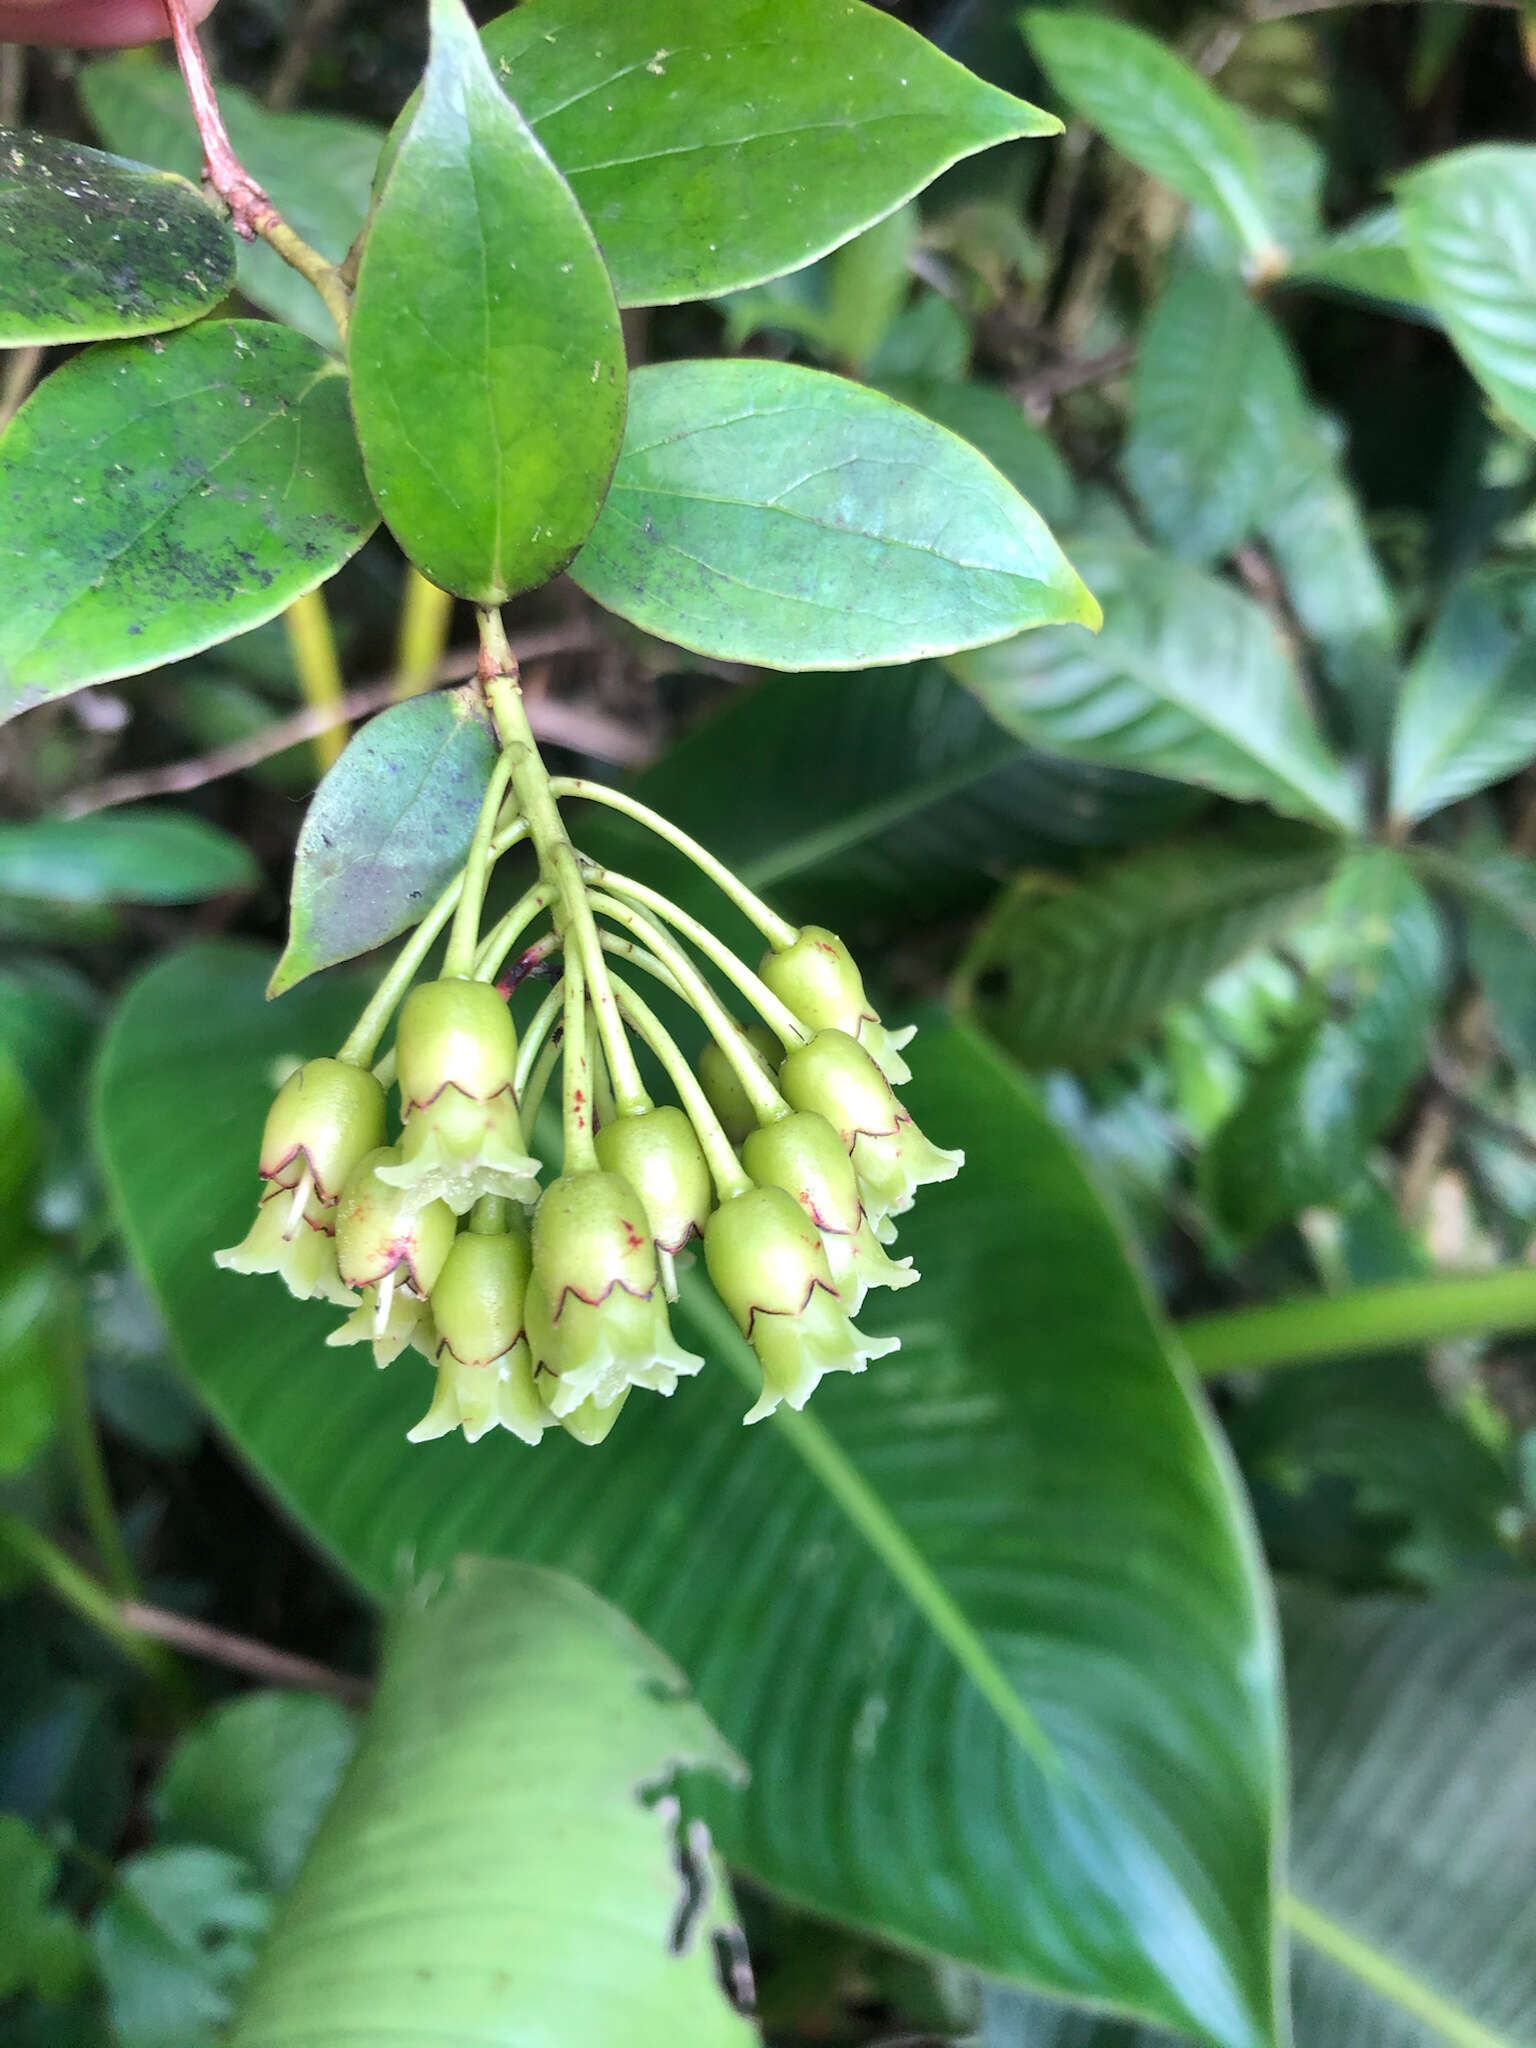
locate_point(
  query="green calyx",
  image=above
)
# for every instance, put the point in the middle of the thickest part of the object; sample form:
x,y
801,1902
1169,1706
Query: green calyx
x,y
323,1119
458,1147
454,1034
479,1297
803,1155
658,1154
819,981
381,1235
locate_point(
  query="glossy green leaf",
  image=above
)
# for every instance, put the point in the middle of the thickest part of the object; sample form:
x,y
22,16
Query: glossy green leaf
x,y
1414,1811
1303,1130
175,1939
713,151
387,830
1498,892
499,1865
139,855
1369,259
254,1778
996,425
960,1546
1158,110
318,169
766,513
159,496
95,246
39,1317
1292,169
1189,678
1213,391
1069,976
1466,716
42,1947
487,363
1469,220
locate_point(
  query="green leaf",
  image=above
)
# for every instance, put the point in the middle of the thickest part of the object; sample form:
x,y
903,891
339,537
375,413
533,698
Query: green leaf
x,y
1069,976
254,1778
1498,890
1369,259
776,515
501,1863
139,855
1466,716
487,363
1212,392
886,1604
156,497
38,1320
1304,1127
1292,171
318,169
1189,678
868,282
713,152
1469,220
387,831
1160,112
97,247
42,1948
996,425
175,1940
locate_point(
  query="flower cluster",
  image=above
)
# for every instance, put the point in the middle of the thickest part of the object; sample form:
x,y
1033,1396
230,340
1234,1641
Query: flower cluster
x,y
544,1303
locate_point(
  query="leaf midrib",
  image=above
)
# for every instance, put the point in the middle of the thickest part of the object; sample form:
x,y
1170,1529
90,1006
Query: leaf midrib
x,y
1372,1966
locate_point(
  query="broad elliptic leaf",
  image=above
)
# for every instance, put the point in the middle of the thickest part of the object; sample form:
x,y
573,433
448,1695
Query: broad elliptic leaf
x,y
1189,678
1415,1805
501,1864
1469,220
1158,110
985,1623
487,362
254,1778
92,246
1068,975
997,425
318,169
1369,260
1466,716
1212,393
386,831
159,496
765,513
147,854
712,149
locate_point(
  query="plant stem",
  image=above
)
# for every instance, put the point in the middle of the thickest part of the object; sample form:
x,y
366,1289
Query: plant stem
x,y
95,1493
774,929
489,1216
312,644
1398,1314
545,1017
558,862
459,957
506,932
80,1592
576,1093
362,1041
531,1098
777,1015
426,614
724,1167
626,949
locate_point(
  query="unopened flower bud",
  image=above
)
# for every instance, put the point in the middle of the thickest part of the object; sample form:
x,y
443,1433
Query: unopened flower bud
x,y
659,1156
818,979
595,1265
803,1155
323,1119
724,1092
455,1050
837,1078
383,1237
769,1266
292,1236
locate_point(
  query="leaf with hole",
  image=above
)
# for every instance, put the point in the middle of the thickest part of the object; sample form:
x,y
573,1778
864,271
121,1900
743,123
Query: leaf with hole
x,y
159,496
1189,679
957,1545
765,513
96,246
487,363
1466,715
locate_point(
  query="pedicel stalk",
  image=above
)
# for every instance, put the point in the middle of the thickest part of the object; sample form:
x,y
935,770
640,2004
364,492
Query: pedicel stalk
x,y
541,1299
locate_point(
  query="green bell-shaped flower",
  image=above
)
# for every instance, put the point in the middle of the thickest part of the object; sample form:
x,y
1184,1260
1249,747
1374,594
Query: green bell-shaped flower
x,y
659,1156
388,1318
292,1236
484,1366
769,1267
596,1314
723,1092
803,1155
833,1075
323,1119
455,1050
818,979
384,1238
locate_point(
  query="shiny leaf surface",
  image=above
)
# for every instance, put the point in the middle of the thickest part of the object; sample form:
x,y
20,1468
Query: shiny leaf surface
x,y
137,855
1466,716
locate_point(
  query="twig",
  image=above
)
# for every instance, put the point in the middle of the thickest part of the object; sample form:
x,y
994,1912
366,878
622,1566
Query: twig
x,y
21,368
1450,1083
1039,391
311,25
563,725
240,1653
312,644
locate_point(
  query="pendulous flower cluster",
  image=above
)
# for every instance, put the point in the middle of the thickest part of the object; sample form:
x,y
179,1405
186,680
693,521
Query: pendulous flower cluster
x,y
543,1302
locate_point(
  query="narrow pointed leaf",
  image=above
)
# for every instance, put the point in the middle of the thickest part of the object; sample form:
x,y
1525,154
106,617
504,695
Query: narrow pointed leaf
x,y
487,363
92,246
387,830
1469,220
1189,678
920,1611
157,497
1466,716
766,513
496,1866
